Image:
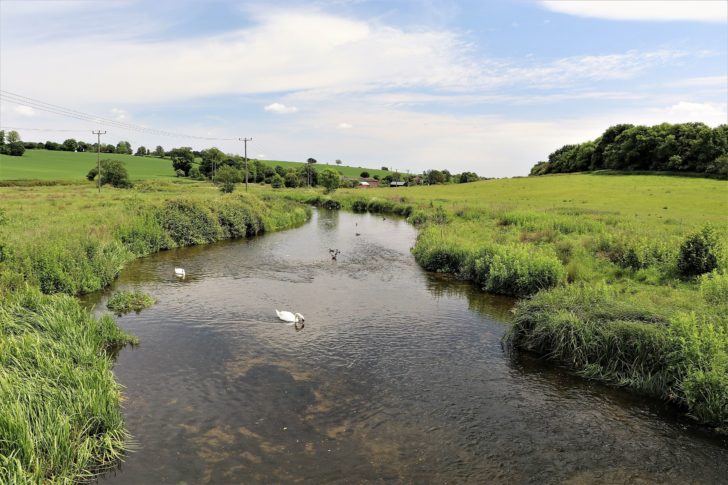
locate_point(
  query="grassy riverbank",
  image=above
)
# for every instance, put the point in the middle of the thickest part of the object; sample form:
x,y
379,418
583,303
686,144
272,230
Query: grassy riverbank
x,y
60,414
595,260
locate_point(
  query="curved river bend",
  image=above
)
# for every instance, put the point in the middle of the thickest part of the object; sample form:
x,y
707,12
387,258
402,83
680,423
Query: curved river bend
x,y
398,376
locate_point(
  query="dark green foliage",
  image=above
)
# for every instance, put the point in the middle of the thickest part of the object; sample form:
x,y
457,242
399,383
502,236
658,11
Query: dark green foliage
x,y
364,174
188,222
277,181
467,177
685,147
699,253
123,302
113,172
15,149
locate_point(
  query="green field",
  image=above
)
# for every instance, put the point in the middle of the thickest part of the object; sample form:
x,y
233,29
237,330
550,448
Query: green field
x,y
58,165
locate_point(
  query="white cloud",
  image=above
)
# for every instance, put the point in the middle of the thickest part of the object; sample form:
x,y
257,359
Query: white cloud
x,y
279,108
344,126
649,10
339,57
684,111
24,110
119,114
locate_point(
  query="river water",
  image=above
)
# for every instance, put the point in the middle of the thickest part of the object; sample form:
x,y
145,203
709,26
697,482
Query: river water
x,y
397,376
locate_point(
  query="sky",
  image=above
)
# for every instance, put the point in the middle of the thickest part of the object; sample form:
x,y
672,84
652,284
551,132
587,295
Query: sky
x,y
490,86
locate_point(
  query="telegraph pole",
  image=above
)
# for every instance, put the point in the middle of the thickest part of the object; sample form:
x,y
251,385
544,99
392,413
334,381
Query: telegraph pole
x,y
246,140
98,154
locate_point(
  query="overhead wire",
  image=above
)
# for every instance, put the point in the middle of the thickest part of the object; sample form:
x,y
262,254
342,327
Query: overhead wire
x,y
97,120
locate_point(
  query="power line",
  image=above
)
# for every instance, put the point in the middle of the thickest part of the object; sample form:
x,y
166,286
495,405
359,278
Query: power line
x,y
3,127
98,120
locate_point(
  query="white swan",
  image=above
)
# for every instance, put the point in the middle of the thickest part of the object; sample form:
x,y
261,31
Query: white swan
x,y
179,272
290,317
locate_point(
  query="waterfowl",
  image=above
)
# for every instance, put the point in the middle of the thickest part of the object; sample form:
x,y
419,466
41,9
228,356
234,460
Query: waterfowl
x,y
179,272
334,253
290,317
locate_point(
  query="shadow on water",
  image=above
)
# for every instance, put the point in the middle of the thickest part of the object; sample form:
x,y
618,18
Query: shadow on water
x,y
398,375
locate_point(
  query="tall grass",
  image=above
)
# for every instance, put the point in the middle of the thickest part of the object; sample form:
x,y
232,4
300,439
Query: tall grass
x,y
59,404
617,338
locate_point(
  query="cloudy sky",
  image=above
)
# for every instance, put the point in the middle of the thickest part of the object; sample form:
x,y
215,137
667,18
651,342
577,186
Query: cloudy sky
x,y
489,86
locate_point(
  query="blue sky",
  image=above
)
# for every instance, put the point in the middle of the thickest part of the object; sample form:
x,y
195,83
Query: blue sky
x,y
488,86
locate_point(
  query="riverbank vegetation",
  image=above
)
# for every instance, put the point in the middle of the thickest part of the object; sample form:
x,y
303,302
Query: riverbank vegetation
x,y
123,302
60,418
621,278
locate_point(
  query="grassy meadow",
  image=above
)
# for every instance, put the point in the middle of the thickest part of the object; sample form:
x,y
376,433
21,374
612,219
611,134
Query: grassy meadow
x,y
598,262
59,165
60,417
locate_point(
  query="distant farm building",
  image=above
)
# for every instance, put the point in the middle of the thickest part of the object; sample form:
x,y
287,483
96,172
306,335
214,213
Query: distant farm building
x,y
395,183
367,183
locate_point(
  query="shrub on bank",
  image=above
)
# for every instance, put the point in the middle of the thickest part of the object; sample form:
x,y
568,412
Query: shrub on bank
x,y
507,269
189,222
699,253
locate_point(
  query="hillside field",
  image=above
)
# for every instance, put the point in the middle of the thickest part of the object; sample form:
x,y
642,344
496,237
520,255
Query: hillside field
x,y
59,165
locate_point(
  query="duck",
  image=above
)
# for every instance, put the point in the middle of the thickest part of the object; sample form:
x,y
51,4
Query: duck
x,y
290,317
179,272
334,253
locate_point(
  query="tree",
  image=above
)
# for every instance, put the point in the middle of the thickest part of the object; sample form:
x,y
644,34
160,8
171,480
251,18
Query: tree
x,y
338,162
124,147
277,181
212,158
141,151
82,146
15,148
2,137
182,159
159,151
435,177
292,179
12,136
698,254
113,172
69,145
195,173
467,177
108,148
385,169
330,179
49,145
309,171
226,178
364,174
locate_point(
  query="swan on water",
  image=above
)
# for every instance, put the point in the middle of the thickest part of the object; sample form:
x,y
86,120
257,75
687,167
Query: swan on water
x,y
179,272
290,317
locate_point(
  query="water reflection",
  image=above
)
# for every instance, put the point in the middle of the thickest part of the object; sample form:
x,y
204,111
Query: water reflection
x,y
399,375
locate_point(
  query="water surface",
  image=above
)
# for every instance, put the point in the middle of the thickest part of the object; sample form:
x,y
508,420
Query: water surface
x,y
397,376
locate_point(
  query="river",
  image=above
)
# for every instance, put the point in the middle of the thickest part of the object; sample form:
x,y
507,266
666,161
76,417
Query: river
x,y
398,376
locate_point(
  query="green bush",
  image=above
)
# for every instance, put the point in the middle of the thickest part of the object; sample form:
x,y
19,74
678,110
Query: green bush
x,y
714,288
189,222
699,253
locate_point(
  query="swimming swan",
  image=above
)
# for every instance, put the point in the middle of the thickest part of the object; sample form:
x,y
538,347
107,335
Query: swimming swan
x,y
179,272
290,317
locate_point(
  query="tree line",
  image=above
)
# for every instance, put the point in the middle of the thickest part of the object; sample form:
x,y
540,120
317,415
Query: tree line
x,y
683,147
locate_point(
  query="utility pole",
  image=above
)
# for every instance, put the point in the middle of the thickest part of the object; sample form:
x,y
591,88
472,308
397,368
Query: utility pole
x,y
98,154
246,140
